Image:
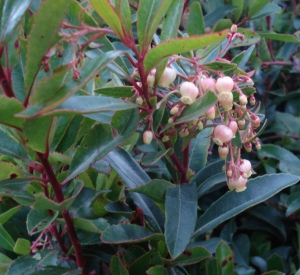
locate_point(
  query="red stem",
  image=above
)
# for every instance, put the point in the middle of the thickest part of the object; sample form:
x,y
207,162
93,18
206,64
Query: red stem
x,y
185,164
6,87
282,63
66,214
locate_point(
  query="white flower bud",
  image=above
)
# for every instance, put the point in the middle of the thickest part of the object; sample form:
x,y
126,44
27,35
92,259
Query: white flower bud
x,y
168,76
226,100
147,137
222,134
224,84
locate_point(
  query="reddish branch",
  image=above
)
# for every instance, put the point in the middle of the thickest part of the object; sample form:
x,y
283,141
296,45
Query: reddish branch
x,y
66,214
5,85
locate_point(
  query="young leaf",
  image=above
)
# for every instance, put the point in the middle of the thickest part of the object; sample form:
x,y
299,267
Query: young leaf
x,y
181,214
109,15
12,13
225,261
149,16
9,107
9,213
233,203
134,176
280,37
180,45
123,10
42,35
22,246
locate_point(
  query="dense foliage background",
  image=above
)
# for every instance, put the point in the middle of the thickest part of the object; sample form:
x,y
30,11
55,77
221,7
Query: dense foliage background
x,y
100,175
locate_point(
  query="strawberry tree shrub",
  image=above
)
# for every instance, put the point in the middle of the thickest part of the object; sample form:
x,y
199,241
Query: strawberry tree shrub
x,y
130,131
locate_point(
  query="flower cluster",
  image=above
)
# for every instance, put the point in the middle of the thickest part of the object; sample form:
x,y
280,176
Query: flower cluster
x,y
232,117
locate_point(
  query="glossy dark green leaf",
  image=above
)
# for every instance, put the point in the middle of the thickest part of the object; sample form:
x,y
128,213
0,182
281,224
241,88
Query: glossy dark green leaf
x,y
142,264
117,267
275,262
181,214
12,13
180,45
280,37
158,116
123,10
37,133
288,162
232,203
293,203
42,35
121,91
105,9
209,176
153,157
190,256
221,66
239,10
29,264
22,246
133,176
195,24
5,262
9,107
100,140
256,5
93,226
6,241
10,147
157,270
128,233
38,220
225,261
149,15
4,217
199,150
155,190
243,57
270,8
16,189
195,110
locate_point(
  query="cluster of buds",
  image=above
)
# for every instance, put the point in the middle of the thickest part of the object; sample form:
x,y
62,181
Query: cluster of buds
x,y
232,117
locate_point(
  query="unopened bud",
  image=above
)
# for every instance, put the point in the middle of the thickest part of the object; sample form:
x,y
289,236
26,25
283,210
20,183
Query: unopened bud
x,y
168,76
239,185
147,137
222,134
150,80
184,133
255,121
245,167
189,92
243,100
223,151
233,28
174,110
248,147
241,124
200,125
252,100
224,84
211,113
233,126
165,138
208,84
171,120
139,101
229,173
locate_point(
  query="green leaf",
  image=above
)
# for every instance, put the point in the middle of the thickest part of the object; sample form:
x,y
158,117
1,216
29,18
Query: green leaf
x,y
153,157
123,10
233,203
99,141
37,133
190,256
29,264
157,270
256,5
121,91
280,37
128,233
42,35
221,66
133,176
293,203
22,246
250,38
275,262
142,264
268,9
180,45
224,257
9,171
12,148
149,15
5,262
239,10
38,220
195,23
116,266
9,107
217,14
4,217
109,15
16,189
288,162
94,226
12,13
155,190
181,214
197,108
89,69
199,150
6,241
